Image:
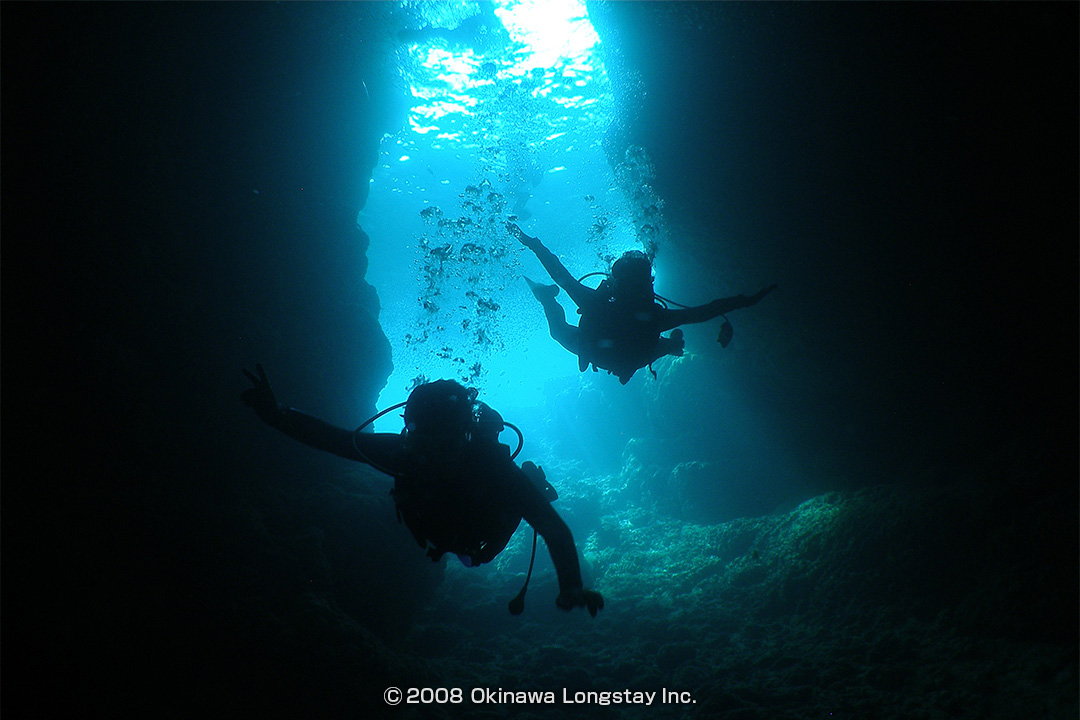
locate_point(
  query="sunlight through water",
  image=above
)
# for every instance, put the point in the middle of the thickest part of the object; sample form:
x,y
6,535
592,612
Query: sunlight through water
x,y
509,106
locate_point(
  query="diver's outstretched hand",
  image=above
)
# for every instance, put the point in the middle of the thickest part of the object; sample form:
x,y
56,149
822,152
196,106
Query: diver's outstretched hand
x,y
589,599
756,297
260,398
526,240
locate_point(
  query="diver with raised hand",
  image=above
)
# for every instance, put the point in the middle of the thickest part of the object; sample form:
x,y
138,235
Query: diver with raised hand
x,y
621,321
456,488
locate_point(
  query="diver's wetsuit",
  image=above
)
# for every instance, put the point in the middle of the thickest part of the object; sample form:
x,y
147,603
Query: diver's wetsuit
x,y
486,487
616,334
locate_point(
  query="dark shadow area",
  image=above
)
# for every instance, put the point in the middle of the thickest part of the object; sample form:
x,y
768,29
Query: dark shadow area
x,y
181,183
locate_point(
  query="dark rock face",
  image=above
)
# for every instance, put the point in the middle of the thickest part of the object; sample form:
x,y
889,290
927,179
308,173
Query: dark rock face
x,y
181,183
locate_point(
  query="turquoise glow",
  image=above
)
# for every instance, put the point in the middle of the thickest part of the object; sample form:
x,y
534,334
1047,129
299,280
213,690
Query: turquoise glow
x,y
508,128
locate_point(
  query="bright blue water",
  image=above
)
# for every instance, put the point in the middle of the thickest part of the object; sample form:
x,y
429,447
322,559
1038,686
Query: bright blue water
x,y
510,130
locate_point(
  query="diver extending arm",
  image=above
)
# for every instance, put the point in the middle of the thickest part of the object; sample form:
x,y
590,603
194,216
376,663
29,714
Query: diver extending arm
x,y
579,293
560,544
702,313
314,432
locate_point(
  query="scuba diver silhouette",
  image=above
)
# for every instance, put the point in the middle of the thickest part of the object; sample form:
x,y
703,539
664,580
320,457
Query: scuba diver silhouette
x,y
621,320
456,488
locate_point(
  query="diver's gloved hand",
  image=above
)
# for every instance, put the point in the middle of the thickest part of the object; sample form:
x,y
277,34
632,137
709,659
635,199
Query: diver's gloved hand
x,y
536,474
756,297
260,398
589,599
529,242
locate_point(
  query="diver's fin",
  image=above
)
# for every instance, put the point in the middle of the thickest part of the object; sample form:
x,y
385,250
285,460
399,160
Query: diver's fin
x,y
542,292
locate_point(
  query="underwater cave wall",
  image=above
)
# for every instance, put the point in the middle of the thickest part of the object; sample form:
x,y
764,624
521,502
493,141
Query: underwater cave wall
x,y
188,182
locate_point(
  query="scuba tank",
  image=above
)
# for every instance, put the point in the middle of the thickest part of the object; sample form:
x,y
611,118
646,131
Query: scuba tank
x,y
484,426
726,330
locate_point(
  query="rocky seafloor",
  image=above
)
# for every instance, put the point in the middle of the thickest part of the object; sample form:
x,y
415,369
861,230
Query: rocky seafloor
x,y
948,598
